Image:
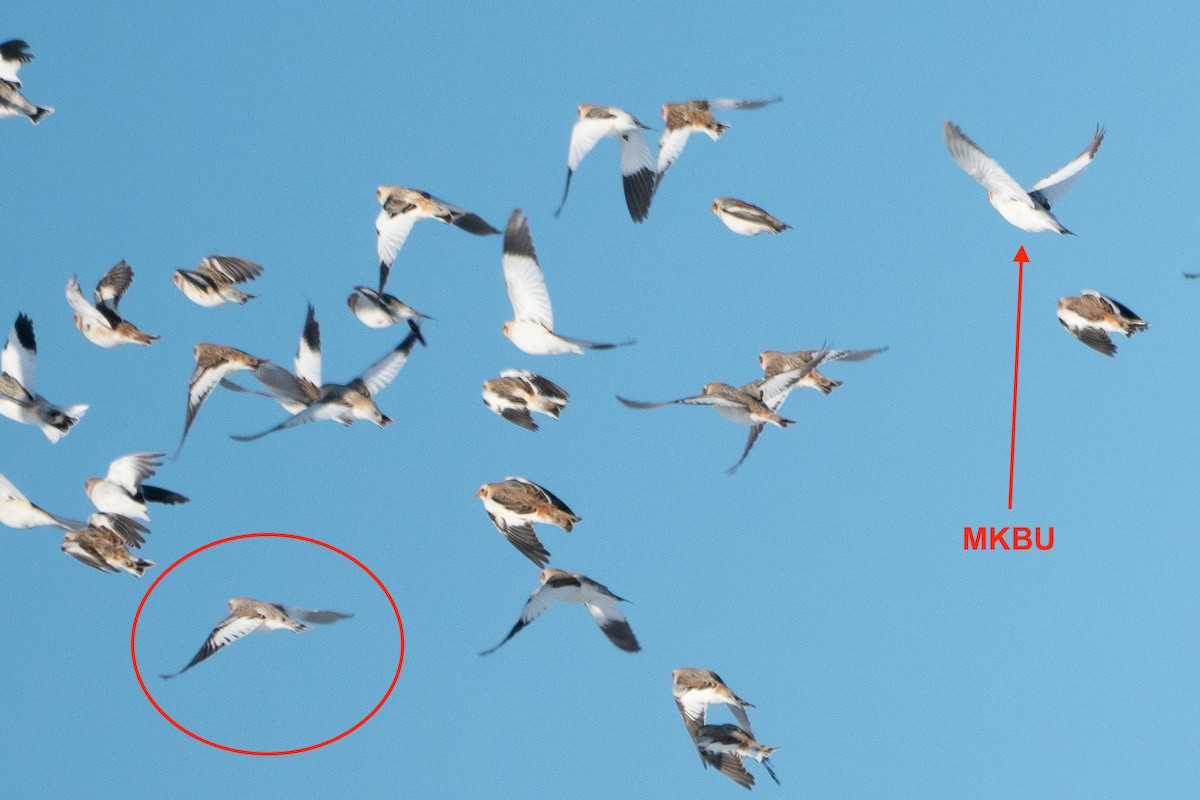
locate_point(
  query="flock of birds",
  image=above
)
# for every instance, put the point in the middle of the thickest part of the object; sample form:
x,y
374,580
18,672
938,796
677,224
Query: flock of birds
x,y
107,538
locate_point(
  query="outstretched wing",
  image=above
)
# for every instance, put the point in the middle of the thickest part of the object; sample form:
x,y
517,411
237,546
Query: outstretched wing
x,y
112,287
982,167
384,371
607,613
523,274
1051,188
316,616
638,174
542,599
19,358
129,471
230,629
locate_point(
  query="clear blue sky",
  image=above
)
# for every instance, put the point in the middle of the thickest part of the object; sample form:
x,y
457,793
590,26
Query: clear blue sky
x,y
826,581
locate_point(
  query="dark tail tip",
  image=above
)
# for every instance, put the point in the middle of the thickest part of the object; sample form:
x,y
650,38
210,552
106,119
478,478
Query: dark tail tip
x,y
42,111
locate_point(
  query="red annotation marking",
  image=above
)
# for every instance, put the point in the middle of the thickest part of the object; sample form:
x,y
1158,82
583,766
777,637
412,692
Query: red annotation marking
x,y
1021,258
347,732
985,538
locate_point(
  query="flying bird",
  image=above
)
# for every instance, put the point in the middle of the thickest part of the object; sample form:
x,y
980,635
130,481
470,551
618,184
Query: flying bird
x,y
214,362
101,322
104,544
695,690
694,116
402,208
345,403
571,587
17,512
753,404
744,218
297,390
211,283
724,747
1029,211
19,399
13,54
122,491
532,326
1091,317
514,504
774,362
517,392
247,615
375,309
637,164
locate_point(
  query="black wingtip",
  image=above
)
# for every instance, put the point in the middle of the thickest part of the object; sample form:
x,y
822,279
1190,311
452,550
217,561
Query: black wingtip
x,y
416,330
24,329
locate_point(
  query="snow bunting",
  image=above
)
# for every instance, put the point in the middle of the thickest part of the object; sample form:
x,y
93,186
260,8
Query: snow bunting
x,y
517,392
19,399
248,615
571,587
1029,211
104,544
532,326
211,283
744,218
694,116
1090,316
514,504
774,362
213,363
696,689
101,323
402,208
637,164
724,746
378,310
121,490
13,54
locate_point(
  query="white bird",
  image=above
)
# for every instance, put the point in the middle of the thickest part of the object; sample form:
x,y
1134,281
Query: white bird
x,y
402,208
375,309
571,587
637,164
724,746
121,490
19,399
13,54
744,218
248,615
17,512
211,283
1029,211
694,116
101,322
345,403
532,326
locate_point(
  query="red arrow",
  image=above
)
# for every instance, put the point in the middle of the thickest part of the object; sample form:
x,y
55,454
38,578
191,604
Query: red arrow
x,y
1022,259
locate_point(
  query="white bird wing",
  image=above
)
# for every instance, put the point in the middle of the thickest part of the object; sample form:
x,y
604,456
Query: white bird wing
x,y
1052,187
13,54
385,370
776,389
200,386
19,358
316,616
584,136
390,233
308,352
546,596
230,629
10,492
698,400
670,145
982,167
314,413
82,307
523,274
638,174
607,613
129,471
726,103
229,269
755,430
281,384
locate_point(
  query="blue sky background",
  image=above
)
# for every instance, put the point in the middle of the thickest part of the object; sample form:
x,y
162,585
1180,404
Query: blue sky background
x,y
826,581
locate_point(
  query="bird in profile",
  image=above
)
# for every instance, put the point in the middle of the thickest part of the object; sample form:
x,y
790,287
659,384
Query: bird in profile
x,y
401,209
571,587
344,403
377,309
247,615
746,219
774,362
1029,211
724,747
296,390
17,512
214,363
1093,316
515,504
211,283
122,491
695,690
13,55
532,326
753,404
19,399
695,116
104,544
637,164
101,321
517,392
